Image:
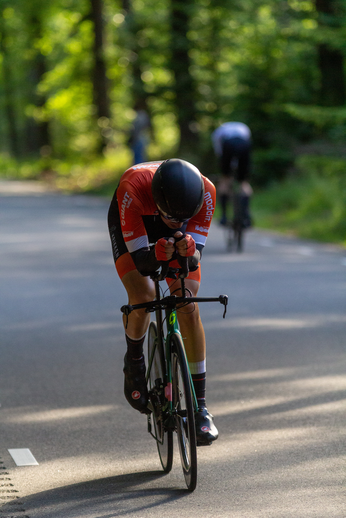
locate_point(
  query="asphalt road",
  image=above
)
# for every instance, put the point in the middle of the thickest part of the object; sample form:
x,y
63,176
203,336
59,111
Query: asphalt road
x,y
276,376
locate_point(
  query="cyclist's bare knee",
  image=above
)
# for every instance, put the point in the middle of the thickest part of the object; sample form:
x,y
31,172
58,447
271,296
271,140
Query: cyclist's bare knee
x,y
139,289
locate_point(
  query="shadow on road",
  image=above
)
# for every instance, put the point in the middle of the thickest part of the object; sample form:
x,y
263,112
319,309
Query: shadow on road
x,y
122,495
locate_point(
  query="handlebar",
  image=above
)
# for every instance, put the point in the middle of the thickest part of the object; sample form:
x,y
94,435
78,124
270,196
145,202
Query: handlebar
x,y
172,301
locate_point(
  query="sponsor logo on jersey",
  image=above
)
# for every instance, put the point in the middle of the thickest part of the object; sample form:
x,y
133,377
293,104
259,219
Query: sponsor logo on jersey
x,y
210,208
126,202
201,229
128,234
146,164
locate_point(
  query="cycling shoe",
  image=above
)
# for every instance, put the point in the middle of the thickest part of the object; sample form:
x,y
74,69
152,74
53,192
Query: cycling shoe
x,y
135,386
206,431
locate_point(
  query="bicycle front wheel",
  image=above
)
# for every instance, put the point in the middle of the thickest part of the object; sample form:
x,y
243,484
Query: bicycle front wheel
x,y
156,388
184,412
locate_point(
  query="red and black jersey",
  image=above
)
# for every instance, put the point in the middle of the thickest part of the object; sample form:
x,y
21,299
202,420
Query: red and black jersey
x,y
138,211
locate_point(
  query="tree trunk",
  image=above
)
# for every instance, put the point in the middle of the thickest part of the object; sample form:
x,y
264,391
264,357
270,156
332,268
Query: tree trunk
x,y
100,81
38,139
185,92
134,26
330,60
8,95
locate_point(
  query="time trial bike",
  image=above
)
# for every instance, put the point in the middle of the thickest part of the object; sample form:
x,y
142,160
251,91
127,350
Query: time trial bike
x,y
172,399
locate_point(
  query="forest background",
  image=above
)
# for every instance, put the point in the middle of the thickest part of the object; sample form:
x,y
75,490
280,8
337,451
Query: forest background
x,y
72,72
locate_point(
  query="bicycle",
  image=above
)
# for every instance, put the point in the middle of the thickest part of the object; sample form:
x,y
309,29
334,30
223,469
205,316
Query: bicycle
x,y
235,227
231,193
172,399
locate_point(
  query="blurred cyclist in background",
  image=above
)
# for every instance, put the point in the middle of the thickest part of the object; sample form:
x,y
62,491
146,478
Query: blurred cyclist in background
x,y
232,144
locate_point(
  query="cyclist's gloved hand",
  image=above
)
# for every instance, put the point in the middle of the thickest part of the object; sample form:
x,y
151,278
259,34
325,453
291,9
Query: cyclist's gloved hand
x,y
164,249
186,246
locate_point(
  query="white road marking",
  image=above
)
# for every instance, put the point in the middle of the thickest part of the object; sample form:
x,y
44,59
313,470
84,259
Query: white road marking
x,y
23,457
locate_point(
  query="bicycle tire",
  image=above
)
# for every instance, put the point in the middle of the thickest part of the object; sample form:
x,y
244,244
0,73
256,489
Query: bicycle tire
x,y
234,237
238,218
184,412
229,236
156,387
238,238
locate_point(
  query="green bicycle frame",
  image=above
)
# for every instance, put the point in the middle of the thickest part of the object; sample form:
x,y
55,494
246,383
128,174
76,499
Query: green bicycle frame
x,y
168,304
172,328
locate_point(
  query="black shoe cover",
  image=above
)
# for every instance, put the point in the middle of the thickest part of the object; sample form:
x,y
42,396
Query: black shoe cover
x,y
135,386
206,431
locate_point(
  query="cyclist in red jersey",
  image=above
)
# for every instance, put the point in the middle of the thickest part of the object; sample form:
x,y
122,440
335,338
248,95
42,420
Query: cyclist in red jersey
x,y
155,204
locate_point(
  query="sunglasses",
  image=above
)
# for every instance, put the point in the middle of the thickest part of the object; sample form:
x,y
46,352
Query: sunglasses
x,y
173,220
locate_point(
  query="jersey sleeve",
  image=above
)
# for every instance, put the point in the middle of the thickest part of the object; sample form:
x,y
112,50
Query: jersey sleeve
x,y
131,211
135,201
198,226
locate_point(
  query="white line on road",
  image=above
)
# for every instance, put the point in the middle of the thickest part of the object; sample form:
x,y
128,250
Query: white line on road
x,y
23,457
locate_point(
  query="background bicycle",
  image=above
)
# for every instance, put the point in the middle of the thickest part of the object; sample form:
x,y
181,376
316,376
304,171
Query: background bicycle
x,y
234,200
239,221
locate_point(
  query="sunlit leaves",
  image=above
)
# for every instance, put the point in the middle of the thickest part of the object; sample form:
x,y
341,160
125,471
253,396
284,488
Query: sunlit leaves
x,y
246,59
301,5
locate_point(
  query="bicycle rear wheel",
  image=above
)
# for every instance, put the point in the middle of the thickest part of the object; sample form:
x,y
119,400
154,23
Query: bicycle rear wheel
x,y
240,202
238,237
234,234
229,235
184,412
156,388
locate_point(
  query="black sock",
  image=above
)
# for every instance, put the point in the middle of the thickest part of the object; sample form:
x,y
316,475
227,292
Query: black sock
x,y
199,382
134,349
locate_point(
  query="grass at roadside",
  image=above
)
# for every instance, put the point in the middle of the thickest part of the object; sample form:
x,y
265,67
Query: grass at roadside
x,y
309,204
96,176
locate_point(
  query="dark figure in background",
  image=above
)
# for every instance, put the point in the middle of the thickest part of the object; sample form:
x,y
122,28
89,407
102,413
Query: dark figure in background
x,y
232,145
140,134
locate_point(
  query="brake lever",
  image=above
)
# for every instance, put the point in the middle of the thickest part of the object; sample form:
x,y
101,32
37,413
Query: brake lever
x,y
224,301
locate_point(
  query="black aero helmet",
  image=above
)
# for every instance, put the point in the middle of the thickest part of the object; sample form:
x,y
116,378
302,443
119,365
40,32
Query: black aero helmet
x,y
178,189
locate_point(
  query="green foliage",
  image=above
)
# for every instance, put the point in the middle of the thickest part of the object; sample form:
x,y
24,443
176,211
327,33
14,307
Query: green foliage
x,y
311,203
98,176
256,61
271,165
325,120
